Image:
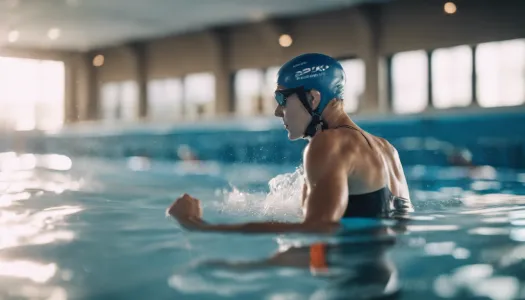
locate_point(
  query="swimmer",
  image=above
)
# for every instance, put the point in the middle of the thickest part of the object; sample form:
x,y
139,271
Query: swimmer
x,y
348,172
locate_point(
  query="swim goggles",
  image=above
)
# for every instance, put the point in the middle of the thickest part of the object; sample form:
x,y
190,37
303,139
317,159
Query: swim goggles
x,y
281,95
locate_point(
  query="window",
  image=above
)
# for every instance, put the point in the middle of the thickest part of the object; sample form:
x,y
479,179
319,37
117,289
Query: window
x,y
199,95
452,77
50,103
248,87
355,83
119,101
31,94
500,73
165,99
270,85
410,81
129,100
109,101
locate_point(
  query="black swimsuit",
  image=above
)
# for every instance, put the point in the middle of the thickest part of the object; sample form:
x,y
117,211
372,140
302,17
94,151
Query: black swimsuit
x,y
380,203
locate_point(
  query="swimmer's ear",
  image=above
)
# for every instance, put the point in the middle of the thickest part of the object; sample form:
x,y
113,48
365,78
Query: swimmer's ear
x,y
315,98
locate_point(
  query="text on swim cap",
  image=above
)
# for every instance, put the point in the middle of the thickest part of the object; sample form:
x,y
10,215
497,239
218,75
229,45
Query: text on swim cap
x,y
299,64
311,72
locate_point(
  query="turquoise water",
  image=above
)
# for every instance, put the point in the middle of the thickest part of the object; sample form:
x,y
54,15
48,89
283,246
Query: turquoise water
x,y
96,229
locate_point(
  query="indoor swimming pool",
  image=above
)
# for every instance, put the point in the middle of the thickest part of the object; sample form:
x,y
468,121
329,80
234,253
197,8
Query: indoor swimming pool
x,y
110,111
94,228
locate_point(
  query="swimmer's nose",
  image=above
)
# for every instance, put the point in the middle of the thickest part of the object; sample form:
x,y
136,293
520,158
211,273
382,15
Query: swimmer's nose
x,y
278,111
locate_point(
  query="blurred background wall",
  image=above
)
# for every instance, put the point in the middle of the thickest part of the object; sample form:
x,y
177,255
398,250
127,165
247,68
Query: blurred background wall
x,y
404,56
65,63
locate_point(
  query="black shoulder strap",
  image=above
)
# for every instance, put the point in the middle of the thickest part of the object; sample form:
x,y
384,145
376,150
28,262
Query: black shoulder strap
x,y
352,127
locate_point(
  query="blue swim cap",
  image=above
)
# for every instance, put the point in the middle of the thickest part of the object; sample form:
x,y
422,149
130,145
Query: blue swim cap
x,y
314,71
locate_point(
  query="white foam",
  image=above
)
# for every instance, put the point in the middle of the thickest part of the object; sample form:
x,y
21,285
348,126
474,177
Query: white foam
x,y
282,202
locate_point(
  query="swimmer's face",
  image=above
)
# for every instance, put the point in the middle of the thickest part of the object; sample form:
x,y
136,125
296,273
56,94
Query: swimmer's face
x,y
294,115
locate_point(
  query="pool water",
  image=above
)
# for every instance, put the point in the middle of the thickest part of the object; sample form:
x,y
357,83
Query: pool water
x,y
74,228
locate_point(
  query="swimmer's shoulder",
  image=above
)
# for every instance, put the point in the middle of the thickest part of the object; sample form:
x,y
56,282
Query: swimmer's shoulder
x,y
387,148
322,144
388,152
329,142
384,145
329,145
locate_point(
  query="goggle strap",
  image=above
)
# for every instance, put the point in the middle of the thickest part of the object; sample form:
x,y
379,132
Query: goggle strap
x,y
302,97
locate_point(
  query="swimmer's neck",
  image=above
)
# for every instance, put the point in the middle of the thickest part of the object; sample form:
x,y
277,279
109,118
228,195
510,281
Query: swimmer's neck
x,y
335,117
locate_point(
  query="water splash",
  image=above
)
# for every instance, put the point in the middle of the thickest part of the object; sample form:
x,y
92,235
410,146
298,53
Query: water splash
x,y
285,194
282,202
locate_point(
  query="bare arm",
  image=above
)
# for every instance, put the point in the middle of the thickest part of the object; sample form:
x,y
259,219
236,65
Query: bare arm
x,y
399,172
198,224
327,170
325,200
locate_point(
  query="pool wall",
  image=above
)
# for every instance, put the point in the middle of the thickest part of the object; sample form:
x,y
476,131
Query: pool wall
x,y
494,137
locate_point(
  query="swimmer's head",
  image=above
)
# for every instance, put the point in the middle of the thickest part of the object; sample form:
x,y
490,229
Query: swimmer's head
x,y
306,84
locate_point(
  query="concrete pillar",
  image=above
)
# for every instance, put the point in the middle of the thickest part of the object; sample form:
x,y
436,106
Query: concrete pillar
x,y
269,32
84,87
70,99
141,76
369,30
93,98
224,102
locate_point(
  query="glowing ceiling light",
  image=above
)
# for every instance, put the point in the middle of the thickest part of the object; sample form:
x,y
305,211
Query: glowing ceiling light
x,y
450,8
285,40
98,61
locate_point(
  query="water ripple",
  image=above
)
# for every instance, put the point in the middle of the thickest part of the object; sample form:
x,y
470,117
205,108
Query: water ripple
x,y
74,228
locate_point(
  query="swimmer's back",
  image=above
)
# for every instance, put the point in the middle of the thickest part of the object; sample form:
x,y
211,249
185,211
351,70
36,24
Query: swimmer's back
x,y
373,162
